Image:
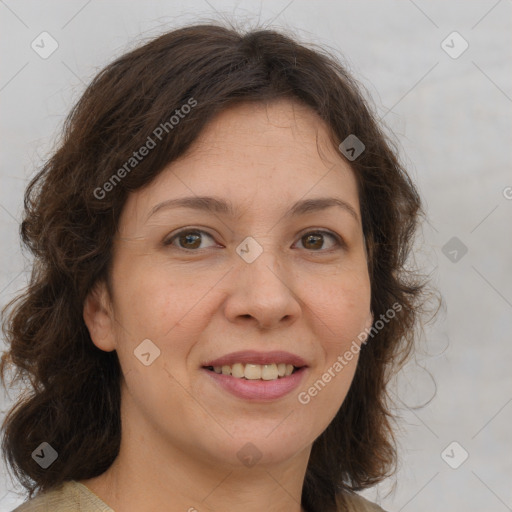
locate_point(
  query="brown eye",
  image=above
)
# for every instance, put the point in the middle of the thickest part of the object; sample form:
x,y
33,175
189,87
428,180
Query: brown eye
x,y
188,239
315,240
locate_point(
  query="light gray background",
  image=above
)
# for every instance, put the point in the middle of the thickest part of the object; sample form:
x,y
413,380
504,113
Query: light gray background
x,y
452,118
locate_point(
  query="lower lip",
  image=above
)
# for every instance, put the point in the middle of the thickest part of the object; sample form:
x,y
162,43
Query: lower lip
x,y
258,390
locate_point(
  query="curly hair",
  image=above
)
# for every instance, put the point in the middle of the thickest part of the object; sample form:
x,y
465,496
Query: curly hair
x,y
73,401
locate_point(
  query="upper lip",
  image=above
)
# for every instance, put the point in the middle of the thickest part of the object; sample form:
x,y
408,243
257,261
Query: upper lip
x,y
255,357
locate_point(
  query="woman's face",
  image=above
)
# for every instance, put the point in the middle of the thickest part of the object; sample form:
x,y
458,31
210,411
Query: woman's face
x,y
263,263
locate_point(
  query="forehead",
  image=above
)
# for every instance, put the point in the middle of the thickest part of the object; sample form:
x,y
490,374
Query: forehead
x,y
265,155
275,136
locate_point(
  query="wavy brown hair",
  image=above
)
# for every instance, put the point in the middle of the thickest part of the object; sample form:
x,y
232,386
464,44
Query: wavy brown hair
x,y
73,398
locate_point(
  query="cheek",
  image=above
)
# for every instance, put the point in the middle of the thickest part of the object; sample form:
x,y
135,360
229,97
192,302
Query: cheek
x,y
152,298
340,311
342,305
170,308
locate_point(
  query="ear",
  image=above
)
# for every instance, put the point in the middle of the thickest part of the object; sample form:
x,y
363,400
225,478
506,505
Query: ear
x,y
99,317
369,320
367,325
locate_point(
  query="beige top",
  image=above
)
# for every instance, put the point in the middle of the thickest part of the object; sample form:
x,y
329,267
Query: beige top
x,y
72,496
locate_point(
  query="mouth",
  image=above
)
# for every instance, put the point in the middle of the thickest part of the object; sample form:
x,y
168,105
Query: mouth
x,y
253,371
257,376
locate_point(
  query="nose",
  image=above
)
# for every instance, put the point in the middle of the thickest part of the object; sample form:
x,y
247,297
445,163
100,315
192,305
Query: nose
x,y
262,293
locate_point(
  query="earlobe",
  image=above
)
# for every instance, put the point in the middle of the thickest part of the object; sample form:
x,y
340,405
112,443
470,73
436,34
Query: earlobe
x,y
98,317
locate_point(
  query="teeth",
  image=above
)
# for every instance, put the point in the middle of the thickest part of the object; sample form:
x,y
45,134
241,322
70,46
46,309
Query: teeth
x,y
256,371
237,370
252,371
269,372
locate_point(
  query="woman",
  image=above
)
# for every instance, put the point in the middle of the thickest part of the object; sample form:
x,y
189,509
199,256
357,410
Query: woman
x,y
218,297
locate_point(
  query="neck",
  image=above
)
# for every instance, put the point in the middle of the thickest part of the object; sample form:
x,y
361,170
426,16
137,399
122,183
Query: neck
x,y
149,474
132,485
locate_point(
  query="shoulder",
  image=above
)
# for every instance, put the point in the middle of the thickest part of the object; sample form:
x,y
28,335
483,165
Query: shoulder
x,y
357,503
70,496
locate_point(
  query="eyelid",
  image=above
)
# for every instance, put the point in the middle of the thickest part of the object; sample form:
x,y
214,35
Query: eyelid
x,y
322,231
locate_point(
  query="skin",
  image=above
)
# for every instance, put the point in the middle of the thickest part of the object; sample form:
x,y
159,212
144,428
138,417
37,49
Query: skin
x,y
181,432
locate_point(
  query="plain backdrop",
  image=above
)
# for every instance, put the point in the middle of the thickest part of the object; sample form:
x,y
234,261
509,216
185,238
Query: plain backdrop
x,y
447,98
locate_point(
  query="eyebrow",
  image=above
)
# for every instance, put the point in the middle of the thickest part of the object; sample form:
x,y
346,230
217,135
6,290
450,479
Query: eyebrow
x,y
221,206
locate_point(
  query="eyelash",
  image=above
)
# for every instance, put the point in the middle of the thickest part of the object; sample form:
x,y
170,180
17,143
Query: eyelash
x,y
338,240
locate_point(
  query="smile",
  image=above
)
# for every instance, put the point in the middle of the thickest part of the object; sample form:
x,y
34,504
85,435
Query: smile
x,y
257,389
253,371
